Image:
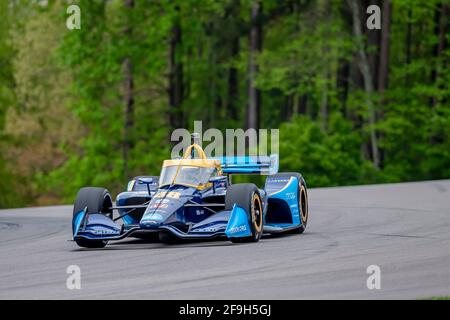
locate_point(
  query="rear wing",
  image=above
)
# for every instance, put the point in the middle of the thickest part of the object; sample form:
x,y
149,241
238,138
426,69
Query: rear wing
x,y
266,165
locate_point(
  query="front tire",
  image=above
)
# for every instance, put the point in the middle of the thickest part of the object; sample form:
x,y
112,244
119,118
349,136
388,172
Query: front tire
x,y
96,200
246,195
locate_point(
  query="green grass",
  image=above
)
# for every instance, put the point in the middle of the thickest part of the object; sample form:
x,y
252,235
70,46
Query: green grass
x,y
438,298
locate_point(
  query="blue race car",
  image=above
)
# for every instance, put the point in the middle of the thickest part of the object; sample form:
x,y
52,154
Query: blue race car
x,y
193,198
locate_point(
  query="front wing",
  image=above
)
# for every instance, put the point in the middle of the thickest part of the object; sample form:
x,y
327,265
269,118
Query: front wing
x,y
96,226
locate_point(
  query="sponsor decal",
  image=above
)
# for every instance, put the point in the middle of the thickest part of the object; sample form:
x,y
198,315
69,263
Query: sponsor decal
x,y
278,180
209,229
152,217
103,231
149,222
159,205
290,196
170,194
238,229
162,201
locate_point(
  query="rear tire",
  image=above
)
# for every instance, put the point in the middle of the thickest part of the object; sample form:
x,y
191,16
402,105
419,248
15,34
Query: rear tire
x,y
246,195
97,200
302,196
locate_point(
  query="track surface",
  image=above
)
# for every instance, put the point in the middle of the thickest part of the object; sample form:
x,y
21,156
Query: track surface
x,y
402,228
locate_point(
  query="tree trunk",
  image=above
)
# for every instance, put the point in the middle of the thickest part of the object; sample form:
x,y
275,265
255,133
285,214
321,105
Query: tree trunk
x,y
288,108
364,67
255,46
324,9
443,26
233,82
342,83
408,44
374,40
303,104
128,94
324,104
232,15
175,77
383,74
442,13
344,74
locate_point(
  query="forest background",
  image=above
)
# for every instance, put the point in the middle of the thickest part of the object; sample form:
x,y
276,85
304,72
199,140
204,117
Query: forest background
x,y
96,105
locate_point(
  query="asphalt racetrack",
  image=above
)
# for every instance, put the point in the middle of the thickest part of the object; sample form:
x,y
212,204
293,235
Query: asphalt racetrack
x,y
403,228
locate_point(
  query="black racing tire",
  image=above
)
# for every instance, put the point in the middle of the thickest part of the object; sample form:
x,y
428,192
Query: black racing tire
x,y
97,200
302,195
246,195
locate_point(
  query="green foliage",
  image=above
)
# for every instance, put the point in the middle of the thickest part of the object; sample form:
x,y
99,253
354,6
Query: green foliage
x,y
62,93
95,55
8,196
325,159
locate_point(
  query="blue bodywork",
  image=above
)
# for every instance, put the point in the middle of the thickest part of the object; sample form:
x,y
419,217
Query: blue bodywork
x,y
187,212
238,226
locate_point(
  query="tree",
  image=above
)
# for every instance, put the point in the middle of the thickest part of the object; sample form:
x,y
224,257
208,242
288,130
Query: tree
x,y
383,74
128,86
176,87
39,125
255,46
441,20
232,15
98,104
369,87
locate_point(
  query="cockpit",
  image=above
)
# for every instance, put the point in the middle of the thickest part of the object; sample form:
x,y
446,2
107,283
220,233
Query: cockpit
x,y
188,171
187,175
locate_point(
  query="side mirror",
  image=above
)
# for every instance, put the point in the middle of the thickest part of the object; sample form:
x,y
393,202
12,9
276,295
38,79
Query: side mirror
x,y
146,181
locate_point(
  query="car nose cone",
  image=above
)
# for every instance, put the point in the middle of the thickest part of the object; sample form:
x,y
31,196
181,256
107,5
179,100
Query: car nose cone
x,y
150,221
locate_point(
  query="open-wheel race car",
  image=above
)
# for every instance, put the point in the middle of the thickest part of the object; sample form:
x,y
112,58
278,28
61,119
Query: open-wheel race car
x,y
193,198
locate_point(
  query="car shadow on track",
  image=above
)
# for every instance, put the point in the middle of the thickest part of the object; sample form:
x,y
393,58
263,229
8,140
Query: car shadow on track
x,y
152,243
149,244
